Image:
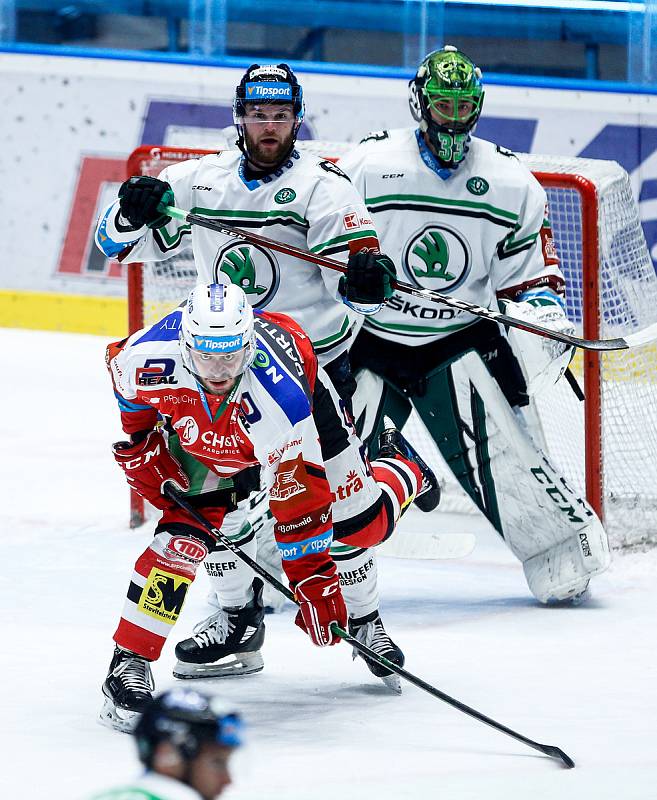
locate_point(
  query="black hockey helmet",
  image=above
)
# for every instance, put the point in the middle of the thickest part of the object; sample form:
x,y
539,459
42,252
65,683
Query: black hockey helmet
x,y
186,718
265,84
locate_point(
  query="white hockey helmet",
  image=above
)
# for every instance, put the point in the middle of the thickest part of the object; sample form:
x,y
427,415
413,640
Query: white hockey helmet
x,y
217,334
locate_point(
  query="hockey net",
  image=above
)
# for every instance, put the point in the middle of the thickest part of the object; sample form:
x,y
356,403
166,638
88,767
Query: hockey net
x,y
606,446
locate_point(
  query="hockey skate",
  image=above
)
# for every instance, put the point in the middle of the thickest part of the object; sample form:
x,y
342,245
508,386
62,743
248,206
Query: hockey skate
x,y
127,688
227,643
370,631
392,443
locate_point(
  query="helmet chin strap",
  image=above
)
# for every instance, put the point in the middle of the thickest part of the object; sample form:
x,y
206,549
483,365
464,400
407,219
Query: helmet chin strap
x,y
241,143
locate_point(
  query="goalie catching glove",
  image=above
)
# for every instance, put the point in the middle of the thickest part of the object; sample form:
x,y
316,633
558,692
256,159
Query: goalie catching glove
x,y
148,464
368,281
320,604
139,199
543,360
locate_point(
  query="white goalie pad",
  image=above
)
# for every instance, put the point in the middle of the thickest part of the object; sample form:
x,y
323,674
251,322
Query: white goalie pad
x,y
366,402
551,529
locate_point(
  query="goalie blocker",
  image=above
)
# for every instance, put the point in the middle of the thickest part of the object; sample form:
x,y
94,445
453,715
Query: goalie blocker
x,y
546,524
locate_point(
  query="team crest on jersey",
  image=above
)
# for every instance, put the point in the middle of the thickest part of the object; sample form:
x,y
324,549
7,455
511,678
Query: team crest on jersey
x,y
253,269
286,195
477,185
286,485
437,257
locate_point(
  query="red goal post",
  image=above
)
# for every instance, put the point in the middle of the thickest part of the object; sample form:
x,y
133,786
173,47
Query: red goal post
x,y
599,239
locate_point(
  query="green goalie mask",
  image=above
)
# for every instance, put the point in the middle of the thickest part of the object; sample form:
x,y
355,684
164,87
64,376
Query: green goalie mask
x,y
446,96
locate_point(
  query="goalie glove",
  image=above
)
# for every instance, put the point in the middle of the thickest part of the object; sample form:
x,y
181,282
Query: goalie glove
x,y
367,283
148,465
320,603
543,360
139,198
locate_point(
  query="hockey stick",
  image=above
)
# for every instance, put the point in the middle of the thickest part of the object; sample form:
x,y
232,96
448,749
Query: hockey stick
x,y
644,336
547,749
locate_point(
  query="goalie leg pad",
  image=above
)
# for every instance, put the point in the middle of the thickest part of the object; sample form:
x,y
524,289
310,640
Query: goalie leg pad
x,y
545,523
562,572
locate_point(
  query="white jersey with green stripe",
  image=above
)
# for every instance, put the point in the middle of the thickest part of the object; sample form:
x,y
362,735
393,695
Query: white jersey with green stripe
x,y
151,786
479,232
308,203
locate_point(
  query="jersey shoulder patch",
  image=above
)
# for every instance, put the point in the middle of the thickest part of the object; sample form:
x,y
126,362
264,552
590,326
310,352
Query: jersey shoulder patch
x,y
275,368
329,166
375,136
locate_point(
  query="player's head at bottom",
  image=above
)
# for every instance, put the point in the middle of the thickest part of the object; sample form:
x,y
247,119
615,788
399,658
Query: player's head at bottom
x,y
189,736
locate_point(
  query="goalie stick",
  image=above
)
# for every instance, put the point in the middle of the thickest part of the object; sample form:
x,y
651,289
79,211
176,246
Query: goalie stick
x,y
636,339
168,490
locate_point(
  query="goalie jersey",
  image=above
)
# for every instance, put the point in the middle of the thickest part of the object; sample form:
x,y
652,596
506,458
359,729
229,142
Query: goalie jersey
x,y
480,233
308,202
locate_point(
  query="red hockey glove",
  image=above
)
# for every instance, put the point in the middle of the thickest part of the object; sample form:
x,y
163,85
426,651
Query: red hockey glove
x,y
320,603
147,465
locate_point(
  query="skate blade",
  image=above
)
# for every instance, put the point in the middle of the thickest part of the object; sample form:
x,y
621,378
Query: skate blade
x,y
119,719
393,682
228,667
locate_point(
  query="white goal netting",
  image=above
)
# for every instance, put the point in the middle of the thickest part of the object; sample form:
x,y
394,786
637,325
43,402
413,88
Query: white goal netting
x,y
607,446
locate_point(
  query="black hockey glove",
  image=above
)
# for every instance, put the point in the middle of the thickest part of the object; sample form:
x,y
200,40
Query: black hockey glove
x,y
368,278
139,198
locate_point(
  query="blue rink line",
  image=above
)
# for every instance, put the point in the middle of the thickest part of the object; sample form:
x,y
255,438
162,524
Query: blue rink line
x,y
319,68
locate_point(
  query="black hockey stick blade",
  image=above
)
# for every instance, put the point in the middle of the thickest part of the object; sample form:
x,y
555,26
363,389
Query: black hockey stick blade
x,y
546,749
170,491
645,336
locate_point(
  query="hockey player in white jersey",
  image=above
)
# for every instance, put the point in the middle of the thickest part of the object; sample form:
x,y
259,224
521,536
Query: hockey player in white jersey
x,y
185,741
236,393
465,217
267,187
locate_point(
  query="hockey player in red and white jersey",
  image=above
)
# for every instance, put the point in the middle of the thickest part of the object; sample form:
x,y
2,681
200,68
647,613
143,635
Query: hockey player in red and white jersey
x,y
209,395
268,187
466,218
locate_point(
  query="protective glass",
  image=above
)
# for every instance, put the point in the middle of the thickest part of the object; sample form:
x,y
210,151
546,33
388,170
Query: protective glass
x,y
264,114
218,366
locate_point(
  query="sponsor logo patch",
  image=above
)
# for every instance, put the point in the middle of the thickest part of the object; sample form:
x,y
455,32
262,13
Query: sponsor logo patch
x,y
352,485
163,595
437,257
156,372
187,430
253,269
186,549
296,550
286,485
268,90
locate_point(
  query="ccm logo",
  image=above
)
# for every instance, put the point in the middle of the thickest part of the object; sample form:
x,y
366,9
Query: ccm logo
x,y
189,549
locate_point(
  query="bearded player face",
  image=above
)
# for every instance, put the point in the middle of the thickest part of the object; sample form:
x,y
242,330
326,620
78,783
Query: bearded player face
x,y
268,133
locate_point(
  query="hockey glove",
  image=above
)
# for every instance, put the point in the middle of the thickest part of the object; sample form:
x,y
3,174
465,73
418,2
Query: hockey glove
x,y
139,198
368,279
147,465
320,603
543,360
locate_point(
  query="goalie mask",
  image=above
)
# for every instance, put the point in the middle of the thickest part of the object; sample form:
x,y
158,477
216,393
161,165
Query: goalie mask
x,y
186,719
268,95
217,335
446,96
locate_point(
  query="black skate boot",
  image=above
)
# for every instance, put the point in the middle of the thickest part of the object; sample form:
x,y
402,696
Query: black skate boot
x,y
226,643
127,689
370,631
392,443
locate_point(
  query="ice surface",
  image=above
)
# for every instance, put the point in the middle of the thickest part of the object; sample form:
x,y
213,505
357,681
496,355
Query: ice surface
x,y
320,726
